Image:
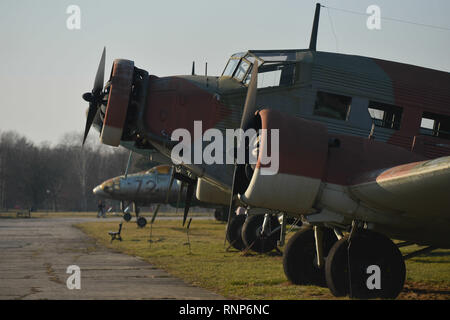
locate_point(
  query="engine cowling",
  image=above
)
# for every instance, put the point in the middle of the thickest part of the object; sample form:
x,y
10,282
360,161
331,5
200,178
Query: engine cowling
x,y
303,149
119,96
209,193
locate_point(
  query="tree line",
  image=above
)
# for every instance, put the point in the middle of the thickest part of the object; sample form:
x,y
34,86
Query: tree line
x,y
58,177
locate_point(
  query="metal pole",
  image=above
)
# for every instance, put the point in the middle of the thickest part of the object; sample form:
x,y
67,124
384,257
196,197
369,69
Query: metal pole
x,y
315,29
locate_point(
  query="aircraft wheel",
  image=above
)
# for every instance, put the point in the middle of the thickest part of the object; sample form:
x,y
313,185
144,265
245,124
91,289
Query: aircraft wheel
x,y
224,214
336,270
221,214
127,217
218,214
299,257
234,232
141,222
377,267
252,237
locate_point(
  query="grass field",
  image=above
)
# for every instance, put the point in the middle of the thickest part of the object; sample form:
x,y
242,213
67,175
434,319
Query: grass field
x,y
90,214
207,263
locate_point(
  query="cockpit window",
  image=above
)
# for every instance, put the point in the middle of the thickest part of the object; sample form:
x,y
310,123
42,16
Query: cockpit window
x,y
242,70
274,75
231,66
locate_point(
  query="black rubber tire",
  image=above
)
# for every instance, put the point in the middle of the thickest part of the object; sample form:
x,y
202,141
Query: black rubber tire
x,y
300,254
336,270
218,214
141,222
221,214
234,232
127,217
367,248
224,212
251,234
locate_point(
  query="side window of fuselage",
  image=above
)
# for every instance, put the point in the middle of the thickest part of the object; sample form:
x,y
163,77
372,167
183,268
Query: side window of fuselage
x,y
385,115
332,105
436,125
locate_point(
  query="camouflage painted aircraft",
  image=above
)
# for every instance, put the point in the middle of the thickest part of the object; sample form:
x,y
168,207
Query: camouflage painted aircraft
x,y
147,188
363,158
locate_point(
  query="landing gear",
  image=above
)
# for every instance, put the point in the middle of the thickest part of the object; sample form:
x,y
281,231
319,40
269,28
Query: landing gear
x,y
140,221
127,217
234,232
125,207
259,235
300,257
377,268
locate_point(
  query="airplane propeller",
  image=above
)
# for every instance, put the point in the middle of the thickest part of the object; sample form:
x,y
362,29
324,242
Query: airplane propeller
x,y
172,178
189,192
95,97
247,115
155,213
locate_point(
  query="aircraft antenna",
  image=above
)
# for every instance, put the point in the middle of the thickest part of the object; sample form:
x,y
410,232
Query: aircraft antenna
x,y
128,164
206,73
315,29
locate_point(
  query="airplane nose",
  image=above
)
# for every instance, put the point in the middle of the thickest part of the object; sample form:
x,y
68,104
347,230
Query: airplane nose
x,y
98,191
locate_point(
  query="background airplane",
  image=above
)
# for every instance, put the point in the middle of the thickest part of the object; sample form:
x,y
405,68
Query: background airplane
x,y
149,188
363,152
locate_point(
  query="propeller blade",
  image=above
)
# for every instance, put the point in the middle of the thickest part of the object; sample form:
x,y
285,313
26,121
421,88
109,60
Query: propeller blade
x,y
89,119
99,77
250,100
189,223
231,205
247,114
155,213
179,195
172,178
128,164
95,97
189,196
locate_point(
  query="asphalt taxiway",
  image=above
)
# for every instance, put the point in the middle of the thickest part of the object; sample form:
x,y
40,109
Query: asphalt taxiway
x,y
35,254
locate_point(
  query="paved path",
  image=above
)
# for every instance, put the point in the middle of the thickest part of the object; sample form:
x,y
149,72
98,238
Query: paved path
x,y
35,253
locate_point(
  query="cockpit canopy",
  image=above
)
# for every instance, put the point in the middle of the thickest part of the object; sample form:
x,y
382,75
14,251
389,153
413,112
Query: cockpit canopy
x,y
276,68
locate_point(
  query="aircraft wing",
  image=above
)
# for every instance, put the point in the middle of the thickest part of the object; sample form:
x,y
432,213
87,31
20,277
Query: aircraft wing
x,y
418,190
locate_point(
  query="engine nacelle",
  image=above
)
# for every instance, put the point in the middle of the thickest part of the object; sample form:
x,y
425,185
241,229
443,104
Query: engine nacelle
x,y
118,100
303,149
209,193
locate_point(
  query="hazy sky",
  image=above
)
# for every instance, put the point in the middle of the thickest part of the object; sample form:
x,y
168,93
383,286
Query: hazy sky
x,y
45,68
